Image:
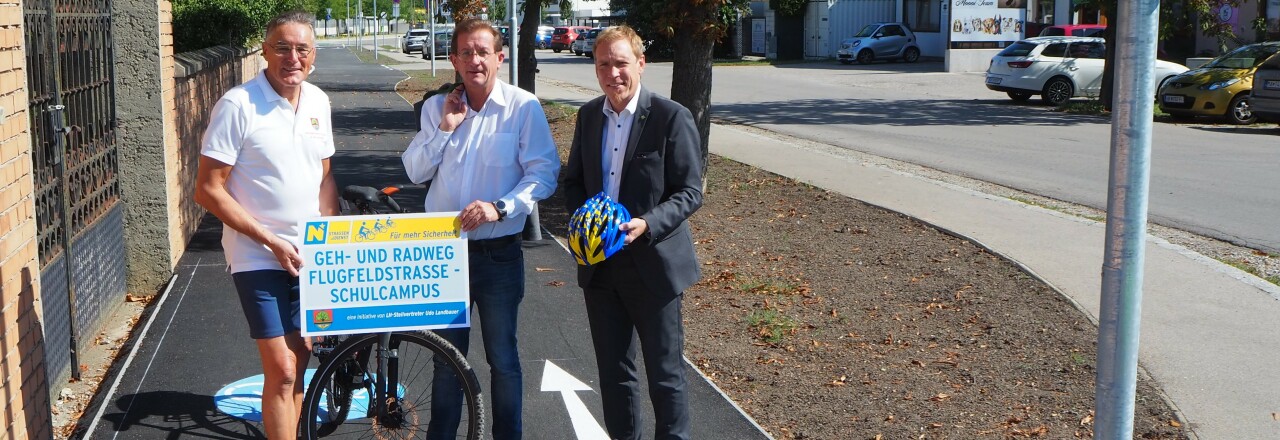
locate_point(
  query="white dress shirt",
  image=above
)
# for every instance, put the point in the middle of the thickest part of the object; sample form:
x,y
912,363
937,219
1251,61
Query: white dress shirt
x,y
502,152
617,130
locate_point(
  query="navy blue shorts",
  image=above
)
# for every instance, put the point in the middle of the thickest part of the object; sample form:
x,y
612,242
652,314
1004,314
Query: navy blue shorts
x,y
270,302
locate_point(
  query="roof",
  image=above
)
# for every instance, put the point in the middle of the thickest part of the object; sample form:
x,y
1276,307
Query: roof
x,y
1063,39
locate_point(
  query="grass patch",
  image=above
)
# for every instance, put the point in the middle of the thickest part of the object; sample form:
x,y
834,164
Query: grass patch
x,y
1091,107
366,56
1249,269
770,325
767,286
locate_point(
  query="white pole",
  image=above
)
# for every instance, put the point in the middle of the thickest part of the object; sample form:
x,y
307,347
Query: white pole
x,y
1120,312
514,32
376,28
431,16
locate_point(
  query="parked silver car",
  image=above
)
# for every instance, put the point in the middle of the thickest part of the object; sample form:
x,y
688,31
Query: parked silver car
x,y
880,41
413,40
1264,100
442,41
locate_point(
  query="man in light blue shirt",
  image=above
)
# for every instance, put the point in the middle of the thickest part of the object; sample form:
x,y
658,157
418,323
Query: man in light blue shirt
x,y
488,152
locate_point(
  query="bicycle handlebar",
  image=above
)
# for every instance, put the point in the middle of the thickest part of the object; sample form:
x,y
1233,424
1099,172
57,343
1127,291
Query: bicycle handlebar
x,y
364,196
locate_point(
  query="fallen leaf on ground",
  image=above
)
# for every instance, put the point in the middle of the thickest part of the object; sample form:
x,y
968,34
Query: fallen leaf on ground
x,y
544,269
556,284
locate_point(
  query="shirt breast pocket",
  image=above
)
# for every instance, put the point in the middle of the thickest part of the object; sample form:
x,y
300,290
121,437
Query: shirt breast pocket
x,y
502,151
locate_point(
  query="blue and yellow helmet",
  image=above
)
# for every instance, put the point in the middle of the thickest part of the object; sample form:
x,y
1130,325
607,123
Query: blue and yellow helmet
x,y
593,230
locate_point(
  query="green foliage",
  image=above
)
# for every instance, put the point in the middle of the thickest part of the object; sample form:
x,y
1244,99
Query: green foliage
x,y
198,24
708,19
1182,16
789,8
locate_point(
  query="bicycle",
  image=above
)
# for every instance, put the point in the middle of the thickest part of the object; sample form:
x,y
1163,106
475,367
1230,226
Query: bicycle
x,y
383,378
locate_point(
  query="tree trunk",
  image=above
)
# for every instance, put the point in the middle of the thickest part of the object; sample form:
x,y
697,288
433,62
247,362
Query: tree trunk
x,y
691,80
528,30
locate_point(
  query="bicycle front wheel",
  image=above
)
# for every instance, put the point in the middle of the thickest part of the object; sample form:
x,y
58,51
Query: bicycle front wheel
x,y
342,398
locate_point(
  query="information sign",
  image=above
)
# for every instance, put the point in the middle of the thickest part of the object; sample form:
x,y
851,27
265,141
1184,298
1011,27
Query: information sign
x,y
380,273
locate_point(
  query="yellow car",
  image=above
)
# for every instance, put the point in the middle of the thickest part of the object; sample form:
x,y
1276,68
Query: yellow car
x,y
1219,88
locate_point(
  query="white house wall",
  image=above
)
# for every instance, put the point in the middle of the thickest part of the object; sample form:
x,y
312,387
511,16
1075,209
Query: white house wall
x,y
847,17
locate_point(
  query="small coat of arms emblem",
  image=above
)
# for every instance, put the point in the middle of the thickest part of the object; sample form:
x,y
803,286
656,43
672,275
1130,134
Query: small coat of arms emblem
x,y
315,123
322,318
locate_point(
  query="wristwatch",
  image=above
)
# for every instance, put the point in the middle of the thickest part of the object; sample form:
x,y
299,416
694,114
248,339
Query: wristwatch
x,y
502,209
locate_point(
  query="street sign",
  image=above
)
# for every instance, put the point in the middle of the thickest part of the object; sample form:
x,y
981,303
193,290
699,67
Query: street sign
x,y
328,13
379,273
395,9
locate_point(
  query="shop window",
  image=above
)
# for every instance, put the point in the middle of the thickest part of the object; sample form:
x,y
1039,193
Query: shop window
x,y
922,15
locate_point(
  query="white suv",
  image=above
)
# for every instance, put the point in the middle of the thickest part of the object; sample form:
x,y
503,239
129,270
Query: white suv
x,y
1057,69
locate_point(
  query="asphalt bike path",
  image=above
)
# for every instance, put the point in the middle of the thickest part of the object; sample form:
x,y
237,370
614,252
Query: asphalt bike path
x,y
191,373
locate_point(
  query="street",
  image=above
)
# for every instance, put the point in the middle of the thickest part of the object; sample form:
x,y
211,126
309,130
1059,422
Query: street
x,y
1210,179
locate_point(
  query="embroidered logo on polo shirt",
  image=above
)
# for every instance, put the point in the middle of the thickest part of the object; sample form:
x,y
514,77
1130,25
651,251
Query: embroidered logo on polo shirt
x,y
315,123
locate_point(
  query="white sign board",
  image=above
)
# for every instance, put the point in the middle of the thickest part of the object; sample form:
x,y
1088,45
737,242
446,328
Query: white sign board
x,y
382,273
984,24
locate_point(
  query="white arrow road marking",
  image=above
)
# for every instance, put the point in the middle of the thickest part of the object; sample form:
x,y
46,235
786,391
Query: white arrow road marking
x,y
584,424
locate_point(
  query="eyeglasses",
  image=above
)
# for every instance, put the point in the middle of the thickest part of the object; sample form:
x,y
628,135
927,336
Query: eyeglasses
x,y
468,54
283,51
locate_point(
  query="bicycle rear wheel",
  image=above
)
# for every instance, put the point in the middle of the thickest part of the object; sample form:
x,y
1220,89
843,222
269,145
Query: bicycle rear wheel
x,y
338,401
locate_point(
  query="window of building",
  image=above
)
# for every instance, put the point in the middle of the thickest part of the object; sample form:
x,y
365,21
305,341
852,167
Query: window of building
x,y
922,15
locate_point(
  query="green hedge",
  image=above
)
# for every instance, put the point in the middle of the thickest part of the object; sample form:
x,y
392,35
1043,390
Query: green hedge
x,y
198,24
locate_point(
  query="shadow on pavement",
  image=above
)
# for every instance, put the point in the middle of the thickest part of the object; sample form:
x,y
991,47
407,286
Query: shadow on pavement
x,y
184,414
913,112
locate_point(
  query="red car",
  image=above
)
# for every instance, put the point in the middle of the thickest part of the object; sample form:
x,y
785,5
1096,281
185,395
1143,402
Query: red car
x,y
562,37
1073,30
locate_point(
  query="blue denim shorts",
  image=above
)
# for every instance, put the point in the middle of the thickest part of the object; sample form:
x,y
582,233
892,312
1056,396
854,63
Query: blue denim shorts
x,y
269,299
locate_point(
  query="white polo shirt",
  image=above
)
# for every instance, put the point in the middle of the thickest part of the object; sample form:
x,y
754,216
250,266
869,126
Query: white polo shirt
x,y
276,157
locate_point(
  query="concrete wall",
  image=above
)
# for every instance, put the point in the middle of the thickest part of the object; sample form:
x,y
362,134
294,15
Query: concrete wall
x,y
24,386
144,47
968,60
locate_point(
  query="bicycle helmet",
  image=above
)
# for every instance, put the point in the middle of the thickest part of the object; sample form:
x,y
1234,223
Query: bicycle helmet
x,y
593,230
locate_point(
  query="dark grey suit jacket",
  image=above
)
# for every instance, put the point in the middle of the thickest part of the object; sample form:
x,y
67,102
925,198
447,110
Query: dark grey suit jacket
x,y
661,183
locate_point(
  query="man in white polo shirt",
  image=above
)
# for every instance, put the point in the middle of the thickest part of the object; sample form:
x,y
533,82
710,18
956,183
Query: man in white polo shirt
x,y
264,166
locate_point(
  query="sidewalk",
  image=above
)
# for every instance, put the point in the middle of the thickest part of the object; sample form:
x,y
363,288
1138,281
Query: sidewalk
x,y
1207,328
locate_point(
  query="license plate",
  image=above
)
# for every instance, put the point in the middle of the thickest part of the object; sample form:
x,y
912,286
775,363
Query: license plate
x,y
993,80
1173,99
1271,84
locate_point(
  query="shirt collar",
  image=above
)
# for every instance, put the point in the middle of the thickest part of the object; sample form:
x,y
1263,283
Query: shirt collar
x,y
270,92
498,96
630,109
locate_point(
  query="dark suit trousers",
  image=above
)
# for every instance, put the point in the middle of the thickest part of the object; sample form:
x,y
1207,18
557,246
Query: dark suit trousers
x,y
619,307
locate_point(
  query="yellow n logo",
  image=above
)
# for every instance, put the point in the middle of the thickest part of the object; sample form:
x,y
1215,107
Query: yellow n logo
x,y
316,232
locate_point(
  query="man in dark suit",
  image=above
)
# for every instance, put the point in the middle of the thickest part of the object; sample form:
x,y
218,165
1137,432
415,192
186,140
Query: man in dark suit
x,y
643,151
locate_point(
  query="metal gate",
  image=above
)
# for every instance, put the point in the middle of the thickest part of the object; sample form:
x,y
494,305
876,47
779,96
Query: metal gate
x,y
79,216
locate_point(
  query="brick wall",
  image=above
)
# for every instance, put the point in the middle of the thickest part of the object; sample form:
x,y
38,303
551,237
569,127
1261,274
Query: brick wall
x,y
24,388
200,78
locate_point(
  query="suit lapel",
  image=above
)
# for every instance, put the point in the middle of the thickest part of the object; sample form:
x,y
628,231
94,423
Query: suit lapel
x,y
637,129
592,148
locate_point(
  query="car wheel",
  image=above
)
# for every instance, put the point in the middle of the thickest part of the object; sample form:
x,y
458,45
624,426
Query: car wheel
x,y
1057,91
912,55
1239,112
866,57
1019,96
555,50
846,61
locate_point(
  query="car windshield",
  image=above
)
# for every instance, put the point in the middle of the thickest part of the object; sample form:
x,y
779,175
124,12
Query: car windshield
x,y
593,33
1246,57
1019,49
418,33
867,31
